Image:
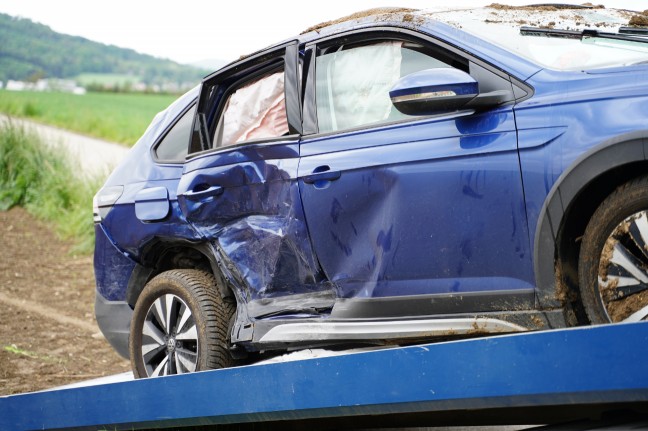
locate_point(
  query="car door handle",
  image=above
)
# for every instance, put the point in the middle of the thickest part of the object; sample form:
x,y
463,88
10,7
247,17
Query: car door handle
x,y
322,173
199,193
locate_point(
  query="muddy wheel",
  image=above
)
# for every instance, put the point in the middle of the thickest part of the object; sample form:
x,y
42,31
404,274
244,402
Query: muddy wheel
x,y
613,266
180,325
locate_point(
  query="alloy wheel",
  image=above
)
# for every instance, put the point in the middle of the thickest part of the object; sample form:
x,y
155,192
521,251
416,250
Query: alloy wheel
x,y
169,338
623,270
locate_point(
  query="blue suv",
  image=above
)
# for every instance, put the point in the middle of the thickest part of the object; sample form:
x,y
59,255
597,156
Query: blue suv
x,y
386,179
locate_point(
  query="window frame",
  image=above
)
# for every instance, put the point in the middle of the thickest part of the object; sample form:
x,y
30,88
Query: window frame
x,y
233,88
378,34
218,87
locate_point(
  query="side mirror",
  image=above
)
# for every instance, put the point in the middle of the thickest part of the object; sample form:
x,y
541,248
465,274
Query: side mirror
x,y
434,91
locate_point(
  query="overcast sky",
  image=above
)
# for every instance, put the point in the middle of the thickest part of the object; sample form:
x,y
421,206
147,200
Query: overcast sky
x,y
191,30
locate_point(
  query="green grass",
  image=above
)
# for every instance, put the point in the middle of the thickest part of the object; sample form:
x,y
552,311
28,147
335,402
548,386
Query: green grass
x,y
33,355
43,180
119,118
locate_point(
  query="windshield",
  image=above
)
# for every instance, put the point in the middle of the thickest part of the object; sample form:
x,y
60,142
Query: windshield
x,y
501,25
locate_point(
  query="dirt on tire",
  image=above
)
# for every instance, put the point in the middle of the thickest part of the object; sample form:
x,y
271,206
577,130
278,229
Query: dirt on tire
x,y
48,334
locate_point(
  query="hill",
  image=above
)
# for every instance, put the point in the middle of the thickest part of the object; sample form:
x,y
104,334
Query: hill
x,y
29,51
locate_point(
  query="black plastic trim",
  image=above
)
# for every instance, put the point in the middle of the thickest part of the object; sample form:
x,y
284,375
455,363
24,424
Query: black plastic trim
x,y
138,279
113,318
251,142
431,305
292,89
614,153
310,107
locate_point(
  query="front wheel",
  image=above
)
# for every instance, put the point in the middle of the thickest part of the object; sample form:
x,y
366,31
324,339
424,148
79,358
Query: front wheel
x,y
613,263
179,325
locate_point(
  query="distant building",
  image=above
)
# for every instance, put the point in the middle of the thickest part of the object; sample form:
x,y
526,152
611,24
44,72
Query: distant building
x,y
62,85
16,85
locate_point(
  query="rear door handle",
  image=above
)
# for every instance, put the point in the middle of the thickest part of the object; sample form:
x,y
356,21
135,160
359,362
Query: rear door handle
x,y
322,173
198,193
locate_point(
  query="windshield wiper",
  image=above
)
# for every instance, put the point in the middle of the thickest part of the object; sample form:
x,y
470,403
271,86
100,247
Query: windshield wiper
x,y
638,31
575,34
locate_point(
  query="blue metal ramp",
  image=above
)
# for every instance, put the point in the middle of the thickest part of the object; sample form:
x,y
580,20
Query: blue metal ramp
x,y
552,375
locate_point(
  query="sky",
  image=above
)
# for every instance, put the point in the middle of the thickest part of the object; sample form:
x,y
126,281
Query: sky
x,y
189,31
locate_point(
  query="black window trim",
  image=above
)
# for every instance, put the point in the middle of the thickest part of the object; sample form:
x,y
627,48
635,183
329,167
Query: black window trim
x,y
251,142
164,134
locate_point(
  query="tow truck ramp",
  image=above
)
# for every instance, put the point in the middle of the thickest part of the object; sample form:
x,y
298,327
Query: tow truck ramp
x,y
589,373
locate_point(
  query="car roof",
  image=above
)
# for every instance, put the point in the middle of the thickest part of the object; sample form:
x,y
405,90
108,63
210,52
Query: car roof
x,y
467,28
412,19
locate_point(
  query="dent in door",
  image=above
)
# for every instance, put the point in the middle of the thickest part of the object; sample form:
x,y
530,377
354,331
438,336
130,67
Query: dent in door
x,y
256,226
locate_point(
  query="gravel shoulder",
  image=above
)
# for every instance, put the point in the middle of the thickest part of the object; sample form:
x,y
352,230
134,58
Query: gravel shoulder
x,y
48,335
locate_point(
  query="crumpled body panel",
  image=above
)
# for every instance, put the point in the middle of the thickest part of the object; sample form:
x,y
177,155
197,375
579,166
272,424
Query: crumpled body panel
x,y
257,227
269,254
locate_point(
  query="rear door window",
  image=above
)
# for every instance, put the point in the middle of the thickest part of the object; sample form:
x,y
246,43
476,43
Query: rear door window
x,y
175,144
254,110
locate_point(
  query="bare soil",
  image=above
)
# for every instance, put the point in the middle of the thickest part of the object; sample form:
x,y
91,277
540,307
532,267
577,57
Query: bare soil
x,y
48,334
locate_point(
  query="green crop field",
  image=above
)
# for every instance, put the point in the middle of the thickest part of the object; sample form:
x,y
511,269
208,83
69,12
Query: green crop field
x,y
112,116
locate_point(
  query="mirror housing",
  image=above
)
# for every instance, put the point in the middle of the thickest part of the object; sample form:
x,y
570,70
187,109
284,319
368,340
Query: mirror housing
x,y
435,91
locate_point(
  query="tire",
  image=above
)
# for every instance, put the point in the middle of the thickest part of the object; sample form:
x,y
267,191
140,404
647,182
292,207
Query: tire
x,y
180,324
613,262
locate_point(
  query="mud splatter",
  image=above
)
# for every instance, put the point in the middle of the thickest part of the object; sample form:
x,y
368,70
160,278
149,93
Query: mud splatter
x,y
500,6
618,307
362,14
537,321
606,257
622,309
588,4
563,293
639,21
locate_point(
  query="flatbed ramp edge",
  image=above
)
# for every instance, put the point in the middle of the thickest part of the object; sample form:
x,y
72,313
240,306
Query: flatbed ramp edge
x,y
540,377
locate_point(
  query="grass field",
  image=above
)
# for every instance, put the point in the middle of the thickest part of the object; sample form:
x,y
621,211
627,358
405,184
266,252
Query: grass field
x,y
115,117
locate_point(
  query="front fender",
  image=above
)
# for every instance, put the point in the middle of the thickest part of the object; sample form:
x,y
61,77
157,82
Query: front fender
x,y
613,154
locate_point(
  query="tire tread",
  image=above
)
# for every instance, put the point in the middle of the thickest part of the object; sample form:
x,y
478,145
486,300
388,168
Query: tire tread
x,y
211,310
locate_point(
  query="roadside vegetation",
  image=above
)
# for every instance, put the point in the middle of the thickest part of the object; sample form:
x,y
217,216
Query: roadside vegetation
x,y
43,180
115,117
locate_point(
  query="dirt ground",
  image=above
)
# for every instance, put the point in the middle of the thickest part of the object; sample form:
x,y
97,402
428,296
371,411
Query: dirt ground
x,y
48,334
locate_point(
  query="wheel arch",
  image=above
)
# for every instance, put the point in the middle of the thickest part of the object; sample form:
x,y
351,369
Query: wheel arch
x,y
569,206
161,254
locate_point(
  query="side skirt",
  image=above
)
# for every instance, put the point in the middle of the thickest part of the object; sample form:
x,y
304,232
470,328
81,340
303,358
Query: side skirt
x,y
283,333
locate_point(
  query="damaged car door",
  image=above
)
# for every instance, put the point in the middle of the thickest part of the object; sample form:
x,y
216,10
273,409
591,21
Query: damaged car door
x,y
411,215
239,189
